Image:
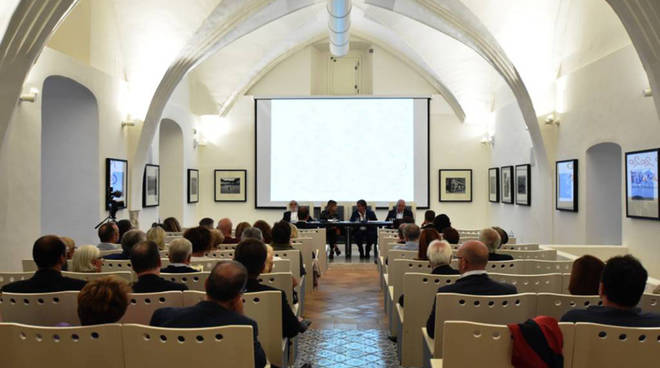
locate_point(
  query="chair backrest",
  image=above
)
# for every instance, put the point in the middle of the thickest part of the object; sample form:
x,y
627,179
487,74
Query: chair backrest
x,y
112,265
293,255
525,246
164,253
97,346
496,309
42,309
547,254
265,308
228,346
142,306
539,266
612,346
204,264
9,277
545,283
221,253
400,254
650,303
281,265
192,297
555,305
194,280
89,276
399,267
29,265
225,247
112,251
514,267
279,280
385,247
565,282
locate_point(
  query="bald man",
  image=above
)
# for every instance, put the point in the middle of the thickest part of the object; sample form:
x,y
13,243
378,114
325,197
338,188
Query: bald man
x,y
225,226
472,257
491,238
399,211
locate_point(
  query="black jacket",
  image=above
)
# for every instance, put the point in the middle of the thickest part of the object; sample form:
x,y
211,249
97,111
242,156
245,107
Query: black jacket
x,y
44,281
118,256
471,285
440,270
155,284
391,215
208,314
369,216
613,316
290,324
499,257
287,216
178,269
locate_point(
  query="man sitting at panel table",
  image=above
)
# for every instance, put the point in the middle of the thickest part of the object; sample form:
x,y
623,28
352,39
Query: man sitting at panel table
x,y
491,238
109,236
49,253
330,214
145,260
362,234
179,253
291,215
223,306
399,211
621,287
473,257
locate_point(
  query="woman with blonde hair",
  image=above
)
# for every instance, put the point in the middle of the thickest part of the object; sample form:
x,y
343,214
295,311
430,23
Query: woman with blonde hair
x,y
294,230
157,235
87,259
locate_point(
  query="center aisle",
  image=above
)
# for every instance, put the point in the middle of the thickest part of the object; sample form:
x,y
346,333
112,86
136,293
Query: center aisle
x,y
349,328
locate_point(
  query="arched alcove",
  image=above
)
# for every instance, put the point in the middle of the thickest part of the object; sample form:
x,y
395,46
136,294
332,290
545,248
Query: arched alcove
x,y
69,160
172,176
603,189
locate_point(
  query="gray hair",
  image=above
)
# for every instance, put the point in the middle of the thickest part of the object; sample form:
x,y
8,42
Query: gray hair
x,y
83,257
131,238
252,233
491,238
439,253
411,232
180,249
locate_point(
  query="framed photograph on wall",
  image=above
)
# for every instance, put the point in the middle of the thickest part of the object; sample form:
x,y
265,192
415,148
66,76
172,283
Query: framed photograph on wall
x,y
151,186
455,185
642,184
193,185
230,185
506,184
116,182
566,185
523,185
494,184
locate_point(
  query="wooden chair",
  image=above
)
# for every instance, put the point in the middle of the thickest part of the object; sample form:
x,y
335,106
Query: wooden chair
x,y
400,254
392,255
520,246
108,252
565,282
513,267
383,251
228,346
194,280
89,276
307,249
97,346
650,303
555,305
142,306
29,265
205,264
293,255
9,277
539,266
112,265
611,346
266,309
546,254
279,280
42,309
221,253
281,265
548,283
397,268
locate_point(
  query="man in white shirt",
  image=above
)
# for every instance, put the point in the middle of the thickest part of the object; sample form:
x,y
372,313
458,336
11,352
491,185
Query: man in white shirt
x,y
292,214
399,211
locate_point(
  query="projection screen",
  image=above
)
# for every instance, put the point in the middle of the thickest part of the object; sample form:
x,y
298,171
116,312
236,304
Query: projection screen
x,y
316,149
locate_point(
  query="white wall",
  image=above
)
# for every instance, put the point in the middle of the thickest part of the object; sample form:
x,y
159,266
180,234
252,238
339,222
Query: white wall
x,y
603,207
171,157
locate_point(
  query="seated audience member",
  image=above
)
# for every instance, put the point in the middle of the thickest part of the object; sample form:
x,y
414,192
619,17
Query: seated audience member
x,y
252,254
201,239
399,231
109,236
87,259
621,287
218,238
399,211
429,216
123,225
491,239
266,231
239,230
70,250
145,260
131,238
171,225
425,238
294,231
439,255
207,222
504,237
225,226
157,235
282,241
451,235
270,257
49,253
473,257
179,253
441,221
585,275
411,236
291,215
103,300
223,306
252,233
305,219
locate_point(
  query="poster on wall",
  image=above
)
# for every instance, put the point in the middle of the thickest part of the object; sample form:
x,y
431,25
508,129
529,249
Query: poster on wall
x,y
193,185
116,182
494,184
566,185
230,185
507,184
642,184
455,185
523,185
151,186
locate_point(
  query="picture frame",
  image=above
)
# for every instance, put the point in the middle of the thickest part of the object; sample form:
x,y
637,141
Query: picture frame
x,y
523,185
455,185
494,184
151,186
116,180
230,185
566,185
642,184
506,184
193,185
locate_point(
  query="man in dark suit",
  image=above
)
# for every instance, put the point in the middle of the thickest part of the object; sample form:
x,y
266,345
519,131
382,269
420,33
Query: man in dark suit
x,y
49,253
491,238
291,215
305,220
621,287
365,233
223,306
179,252
399,211
129,240
473,257
145,260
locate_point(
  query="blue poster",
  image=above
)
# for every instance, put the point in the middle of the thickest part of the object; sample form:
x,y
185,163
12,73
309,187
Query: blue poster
x,y
566,180
643,176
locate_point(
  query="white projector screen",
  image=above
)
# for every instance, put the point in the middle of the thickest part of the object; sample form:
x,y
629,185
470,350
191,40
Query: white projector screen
x,y
316,149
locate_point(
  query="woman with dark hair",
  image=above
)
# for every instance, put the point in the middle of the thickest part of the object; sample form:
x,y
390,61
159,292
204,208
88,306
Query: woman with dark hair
x,y
450,235
429,216
123,226
585,275
425,238
171,225
441,221
239,229
266,231
504,237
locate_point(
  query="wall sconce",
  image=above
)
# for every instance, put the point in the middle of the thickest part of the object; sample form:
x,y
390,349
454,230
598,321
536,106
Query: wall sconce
x,y
130,122
552,119
648,92
488,139
30,96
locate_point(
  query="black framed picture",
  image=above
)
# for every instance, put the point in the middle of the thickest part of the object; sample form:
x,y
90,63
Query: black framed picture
x,y
494,184
116,183
230,185
566,185
151,186
193,185
524,185
455,185
506,186
642,184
